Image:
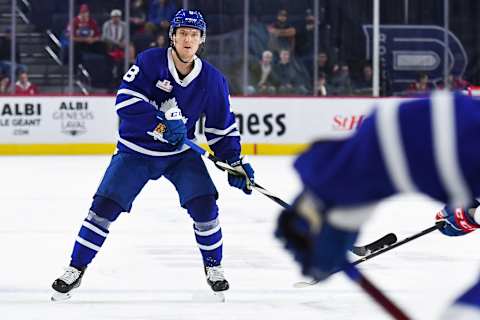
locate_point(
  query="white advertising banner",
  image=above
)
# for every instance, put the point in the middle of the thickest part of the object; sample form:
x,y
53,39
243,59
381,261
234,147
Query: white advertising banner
x,y
57,120
299,120
86,122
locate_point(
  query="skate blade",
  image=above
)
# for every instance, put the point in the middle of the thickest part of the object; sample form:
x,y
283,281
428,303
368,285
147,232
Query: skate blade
x,y
59,297
212,297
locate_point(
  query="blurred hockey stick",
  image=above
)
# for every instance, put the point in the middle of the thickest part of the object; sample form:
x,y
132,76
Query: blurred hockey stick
x,y
358,250
351,271
378,296
438,225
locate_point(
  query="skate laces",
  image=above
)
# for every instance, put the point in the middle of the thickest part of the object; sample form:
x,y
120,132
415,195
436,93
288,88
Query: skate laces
x,y
71,274
215,273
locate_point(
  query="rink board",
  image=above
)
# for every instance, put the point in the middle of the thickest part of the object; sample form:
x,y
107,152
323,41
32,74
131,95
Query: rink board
x,y
42,125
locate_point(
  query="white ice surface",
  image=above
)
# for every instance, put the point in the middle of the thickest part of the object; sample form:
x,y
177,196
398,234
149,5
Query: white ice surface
x,y
150,267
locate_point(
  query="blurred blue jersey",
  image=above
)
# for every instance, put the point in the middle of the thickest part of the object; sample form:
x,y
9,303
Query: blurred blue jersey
x,y
153,84
428,145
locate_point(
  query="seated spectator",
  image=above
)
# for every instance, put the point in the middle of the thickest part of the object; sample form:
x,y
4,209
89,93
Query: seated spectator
x,y
420,86
24,87
322,88
341,82
85,34
364,85
114,32
4,85
262,75
138,16
282,33
160,13
5,54
160,41
324,64
289,78
454,83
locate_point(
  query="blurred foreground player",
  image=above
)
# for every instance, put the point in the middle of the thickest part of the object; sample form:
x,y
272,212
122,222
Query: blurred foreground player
x,y
427,145
161,98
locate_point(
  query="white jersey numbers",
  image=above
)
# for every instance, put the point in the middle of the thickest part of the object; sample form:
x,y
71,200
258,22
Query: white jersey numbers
x,y
131,73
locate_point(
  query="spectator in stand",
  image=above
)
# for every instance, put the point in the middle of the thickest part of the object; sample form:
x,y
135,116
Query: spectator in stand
x,y
86,34
420,86
24,87
4,85
262,76
5,54
160,41
454,83
289,79
322,87
341,81
114,32
305,39
138,16
282,33
324,64
363,86
160,13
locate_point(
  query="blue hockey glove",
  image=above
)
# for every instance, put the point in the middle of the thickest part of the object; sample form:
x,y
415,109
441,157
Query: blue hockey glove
x,y
313,238
244,178
458,221
171,128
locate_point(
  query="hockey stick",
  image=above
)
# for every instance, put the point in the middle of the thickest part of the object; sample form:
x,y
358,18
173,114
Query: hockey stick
x,y
226,167
361,250
438,225
386,240
352,272
379,297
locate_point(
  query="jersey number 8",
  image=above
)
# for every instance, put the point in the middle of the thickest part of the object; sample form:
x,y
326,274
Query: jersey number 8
x,y
131,73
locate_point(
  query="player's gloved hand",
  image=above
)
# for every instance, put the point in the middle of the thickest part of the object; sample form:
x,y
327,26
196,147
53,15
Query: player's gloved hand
x,y
244,178
458,221
313,237
171,128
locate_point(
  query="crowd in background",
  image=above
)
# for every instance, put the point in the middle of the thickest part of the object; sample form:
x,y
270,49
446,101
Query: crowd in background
x,y
283,65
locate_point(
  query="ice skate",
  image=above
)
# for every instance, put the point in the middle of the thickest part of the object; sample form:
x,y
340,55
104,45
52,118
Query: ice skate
x,y
216,279
62,286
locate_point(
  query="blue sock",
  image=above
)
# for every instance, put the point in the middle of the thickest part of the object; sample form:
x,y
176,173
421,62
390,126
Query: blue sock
x,y
209,240
204,212
89,241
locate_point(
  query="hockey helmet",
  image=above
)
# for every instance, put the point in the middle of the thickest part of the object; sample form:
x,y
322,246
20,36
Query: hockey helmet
x,y
190,19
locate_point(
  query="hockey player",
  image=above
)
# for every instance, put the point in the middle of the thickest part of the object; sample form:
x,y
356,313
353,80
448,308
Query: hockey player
x,y
159,102
426,145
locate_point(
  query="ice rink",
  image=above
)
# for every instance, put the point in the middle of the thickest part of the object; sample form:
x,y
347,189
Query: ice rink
x,y
150,267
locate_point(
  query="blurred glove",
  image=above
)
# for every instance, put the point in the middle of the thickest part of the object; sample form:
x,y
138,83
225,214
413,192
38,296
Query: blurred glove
x,y
314,238
244,177
458,221
171,128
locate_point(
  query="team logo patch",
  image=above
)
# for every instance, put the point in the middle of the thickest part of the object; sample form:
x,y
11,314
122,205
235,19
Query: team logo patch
x,y
164,85
160,128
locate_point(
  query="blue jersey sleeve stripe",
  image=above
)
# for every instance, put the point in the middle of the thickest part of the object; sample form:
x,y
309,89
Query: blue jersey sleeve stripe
x,y
133,93
215,140
445,148
388,133
127,103
221,132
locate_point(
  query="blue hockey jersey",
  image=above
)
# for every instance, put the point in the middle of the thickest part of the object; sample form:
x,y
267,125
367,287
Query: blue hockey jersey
x,y
153,83
428,145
